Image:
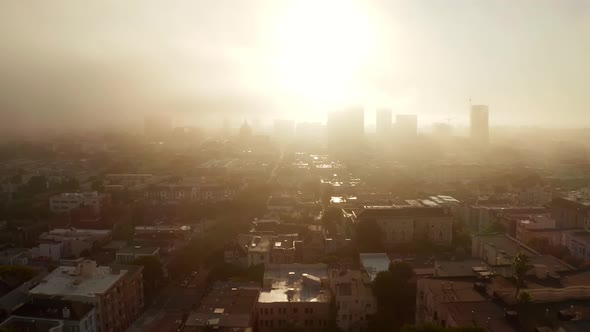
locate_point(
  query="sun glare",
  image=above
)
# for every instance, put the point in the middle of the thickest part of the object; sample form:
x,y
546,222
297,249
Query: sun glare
x,y
322,45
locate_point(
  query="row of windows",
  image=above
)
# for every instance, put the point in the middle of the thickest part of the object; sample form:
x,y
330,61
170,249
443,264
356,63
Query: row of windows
x,y
282,323
270,311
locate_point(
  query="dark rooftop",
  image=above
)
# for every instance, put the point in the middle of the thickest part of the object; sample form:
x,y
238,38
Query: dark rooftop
x,y
53,309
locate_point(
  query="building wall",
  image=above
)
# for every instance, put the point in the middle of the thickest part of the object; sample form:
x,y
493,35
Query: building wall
x,y
578,247
405,229
308,315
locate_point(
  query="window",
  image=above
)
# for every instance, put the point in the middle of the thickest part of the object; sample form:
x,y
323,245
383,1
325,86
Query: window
x,y
266,311
295,310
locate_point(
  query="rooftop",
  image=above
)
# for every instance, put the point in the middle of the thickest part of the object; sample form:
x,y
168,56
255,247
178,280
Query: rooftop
x,y
295,283
538,221
451,290
53,309
226,305
76,281
484,314
374,263
138,250
459,268
413,209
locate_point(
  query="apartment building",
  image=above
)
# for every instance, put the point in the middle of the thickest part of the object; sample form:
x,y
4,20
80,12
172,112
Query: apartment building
x,y
57,315
294,295
416,220
67,202
116,292
355,302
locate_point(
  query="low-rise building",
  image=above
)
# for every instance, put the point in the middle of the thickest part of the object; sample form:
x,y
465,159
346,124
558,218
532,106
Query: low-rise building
x,y
540,226
355,302
64,316
116,292
457,303
227,307
417,220
70,242
67,202
295,295
571,212
128,255
578,243
15,256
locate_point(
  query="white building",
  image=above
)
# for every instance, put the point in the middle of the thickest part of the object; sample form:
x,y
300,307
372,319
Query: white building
x,y
115,293
67,202
129,254
578,243
70,242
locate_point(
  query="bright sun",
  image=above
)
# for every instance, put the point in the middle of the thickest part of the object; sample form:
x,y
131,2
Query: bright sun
x,y
322,45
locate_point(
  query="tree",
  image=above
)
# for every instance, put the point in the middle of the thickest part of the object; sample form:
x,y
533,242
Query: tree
x,y
520,264
396,297
152,272
369,237
524,298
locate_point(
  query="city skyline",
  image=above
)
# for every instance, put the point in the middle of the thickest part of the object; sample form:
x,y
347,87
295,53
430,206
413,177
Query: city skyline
x,y
72,68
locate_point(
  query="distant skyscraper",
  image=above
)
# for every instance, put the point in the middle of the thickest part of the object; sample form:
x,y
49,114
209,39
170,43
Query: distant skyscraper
x,y
383,122
480,130
406,126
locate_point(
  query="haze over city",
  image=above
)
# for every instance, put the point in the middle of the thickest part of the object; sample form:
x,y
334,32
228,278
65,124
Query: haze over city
x,y
294,166
67,63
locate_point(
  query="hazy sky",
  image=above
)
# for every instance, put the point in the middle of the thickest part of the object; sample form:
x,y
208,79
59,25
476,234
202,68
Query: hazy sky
x,y
68,62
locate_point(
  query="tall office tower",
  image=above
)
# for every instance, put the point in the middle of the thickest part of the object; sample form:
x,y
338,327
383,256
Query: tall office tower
x,y
157,126
406,126
480,127
346,129
383,123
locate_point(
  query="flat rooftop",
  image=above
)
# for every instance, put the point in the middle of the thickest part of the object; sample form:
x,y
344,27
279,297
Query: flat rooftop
x,y
505,244
138,250
66,281
295,283
227,305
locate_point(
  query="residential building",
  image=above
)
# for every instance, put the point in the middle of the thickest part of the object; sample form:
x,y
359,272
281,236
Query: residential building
x,y
417,220
295,295
355,302
70,242
116,292
457,303
67,202
570,212
281,206
128,255
540,226
578,243
15,256
480,127
66,316
265,249
227,307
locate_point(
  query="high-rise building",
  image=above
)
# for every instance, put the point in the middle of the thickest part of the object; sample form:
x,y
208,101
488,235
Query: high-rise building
x,y
383,123
480,130
406,126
